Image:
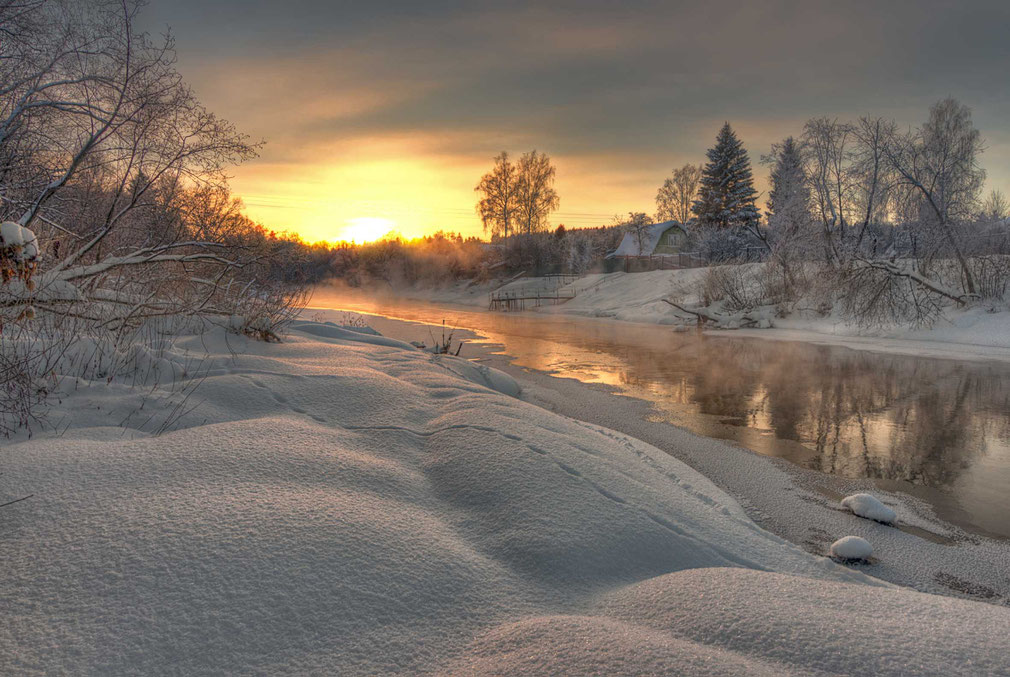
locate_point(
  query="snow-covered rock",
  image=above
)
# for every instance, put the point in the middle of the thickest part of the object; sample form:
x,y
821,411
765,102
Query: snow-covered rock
x,y
865,505
851,547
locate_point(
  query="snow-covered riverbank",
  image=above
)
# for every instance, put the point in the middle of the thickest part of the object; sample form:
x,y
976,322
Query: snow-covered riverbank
x,y
343,503
972,334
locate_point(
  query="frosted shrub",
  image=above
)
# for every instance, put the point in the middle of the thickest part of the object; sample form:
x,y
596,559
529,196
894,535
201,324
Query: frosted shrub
x,y
992,274
872,297
737,287
262,311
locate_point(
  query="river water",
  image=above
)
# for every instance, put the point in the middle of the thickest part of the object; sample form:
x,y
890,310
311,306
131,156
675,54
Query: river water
x,y
936,428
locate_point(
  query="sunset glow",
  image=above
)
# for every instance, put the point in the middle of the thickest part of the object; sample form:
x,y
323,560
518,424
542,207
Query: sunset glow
x,y
390,119
366,229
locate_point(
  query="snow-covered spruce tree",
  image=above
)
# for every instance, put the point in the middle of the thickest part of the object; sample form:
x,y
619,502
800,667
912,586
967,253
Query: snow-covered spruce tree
x,y
726,196
790,226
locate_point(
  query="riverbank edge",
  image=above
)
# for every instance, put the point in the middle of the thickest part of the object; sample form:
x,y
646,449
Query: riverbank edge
x,y
949,340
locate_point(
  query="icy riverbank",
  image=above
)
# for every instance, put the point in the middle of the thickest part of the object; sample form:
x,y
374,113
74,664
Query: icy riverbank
x,y
974,334
345,503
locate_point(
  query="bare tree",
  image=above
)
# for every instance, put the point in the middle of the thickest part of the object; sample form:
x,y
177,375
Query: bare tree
x,y
100,143
677,194
828,169
637,224
498,206
535,192
872,178
938,164
996,207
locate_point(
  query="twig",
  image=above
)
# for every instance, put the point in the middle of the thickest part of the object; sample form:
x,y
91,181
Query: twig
x,y
17,500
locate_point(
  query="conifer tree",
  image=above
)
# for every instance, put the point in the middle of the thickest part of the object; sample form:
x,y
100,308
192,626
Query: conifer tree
x,y
789,199
726,196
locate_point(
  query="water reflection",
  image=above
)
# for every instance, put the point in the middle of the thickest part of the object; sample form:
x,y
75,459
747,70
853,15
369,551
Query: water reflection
x,y
920,422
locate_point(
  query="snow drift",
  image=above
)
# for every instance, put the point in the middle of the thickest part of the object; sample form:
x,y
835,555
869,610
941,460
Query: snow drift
x,y
342,504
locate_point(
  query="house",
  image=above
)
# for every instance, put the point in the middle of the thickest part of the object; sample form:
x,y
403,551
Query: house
x,y
655,239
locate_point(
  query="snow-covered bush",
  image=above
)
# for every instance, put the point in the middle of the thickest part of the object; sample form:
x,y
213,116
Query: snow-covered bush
x,y
262,311
19,254
736,287
725,245
878,296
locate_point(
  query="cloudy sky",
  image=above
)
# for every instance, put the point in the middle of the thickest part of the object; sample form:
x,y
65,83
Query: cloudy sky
x,y
393,110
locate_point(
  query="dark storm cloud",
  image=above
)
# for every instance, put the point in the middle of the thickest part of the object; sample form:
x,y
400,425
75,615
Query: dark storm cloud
x,y
588,78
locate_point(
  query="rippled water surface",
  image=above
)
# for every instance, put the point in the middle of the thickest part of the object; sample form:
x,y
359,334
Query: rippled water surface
x,y
936,428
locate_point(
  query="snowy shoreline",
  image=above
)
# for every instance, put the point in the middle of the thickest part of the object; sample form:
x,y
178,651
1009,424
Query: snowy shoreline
x,y
974,334
345,503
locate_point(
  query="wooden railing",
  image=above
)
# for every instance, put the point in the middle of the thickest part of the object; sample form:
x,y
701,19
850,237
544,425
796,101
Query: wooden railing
x,y
519,299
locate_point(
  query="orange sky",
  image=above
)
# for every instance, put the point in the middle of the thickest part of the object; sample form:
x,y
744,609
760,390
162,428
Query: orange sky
x,y
417,193
383,116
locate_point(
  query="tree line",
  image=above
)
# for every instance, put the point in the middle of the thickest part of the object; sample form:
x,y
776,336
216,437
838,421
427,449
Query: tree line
x,y
894,218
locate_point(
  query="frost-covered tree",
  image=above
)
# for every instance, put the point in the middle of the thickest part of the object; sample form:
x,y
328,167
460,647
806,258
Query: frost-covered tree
x,y
726,196
789,199
535,192
829,160
676,195
498,206
790,225
938,166
102,146
996,207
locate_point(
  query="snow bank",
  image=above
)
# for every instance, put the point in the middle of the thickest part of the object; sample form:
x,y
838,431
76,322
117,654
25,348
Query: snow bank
x,y
851,547
342,505
972,333
865,505
329,330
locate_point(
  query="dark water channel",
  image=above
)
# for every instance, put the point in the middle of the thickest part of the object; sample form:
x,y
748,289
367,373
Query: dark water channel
x,y
935,428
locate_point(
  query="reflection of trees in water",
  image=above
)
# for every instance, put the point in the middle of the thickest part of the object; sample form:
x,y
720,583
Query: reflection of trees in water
x,y
861,414
865,415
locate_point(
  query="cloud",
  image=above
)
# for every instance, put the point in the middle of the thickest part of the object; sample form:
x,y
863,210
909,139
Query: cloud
x,y
618,93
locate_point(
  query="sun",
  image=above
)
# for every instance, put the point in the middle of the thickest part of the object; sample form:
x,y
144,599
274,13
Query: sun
x,y
366,229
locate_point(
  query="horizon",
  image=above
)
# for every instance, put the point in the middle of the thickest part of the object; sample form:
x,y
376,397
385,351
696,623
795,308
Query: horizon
x,y
383,119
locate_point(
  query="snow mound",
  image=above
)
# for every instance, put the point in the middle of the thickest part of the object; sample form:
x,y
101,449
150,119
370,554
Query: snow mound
x,y
495,379
594,645
351,334
865,505
342,506
818,626
851,547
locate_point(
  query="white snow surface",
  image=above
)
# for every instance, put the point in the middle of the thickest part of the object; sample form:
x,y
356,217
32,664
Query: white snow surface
x,y
852,547
343,503
870,507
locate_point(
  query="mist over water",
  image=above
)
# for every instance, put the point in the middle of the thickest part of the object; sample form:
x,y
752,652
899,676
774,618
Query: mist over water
x,y
939,429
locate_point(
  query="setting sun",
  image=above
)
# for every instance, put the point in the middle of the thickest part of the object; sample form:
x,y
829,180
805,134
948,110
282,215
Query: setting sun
x,y
366,229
